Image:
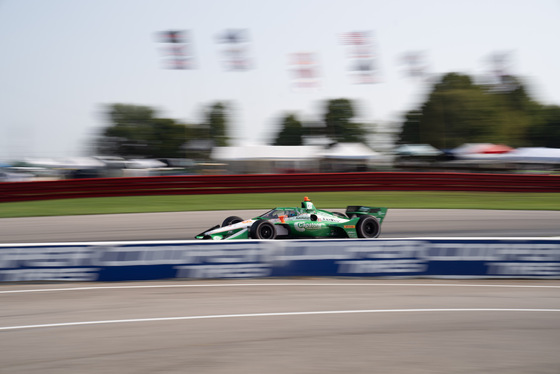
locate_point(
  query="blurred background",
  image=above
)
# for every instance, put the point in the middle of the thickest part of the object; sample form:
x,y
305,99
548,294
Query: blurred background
x,y
136,88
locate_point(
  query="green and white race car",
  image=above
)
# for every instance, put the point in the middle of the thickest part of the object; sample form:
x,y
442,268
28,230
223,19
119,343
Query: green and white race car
x,y
303,222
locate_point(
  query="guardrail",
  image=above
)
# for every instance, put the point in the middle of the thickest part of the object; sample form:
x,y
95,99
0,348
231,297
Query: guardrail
x,y
268,183
436,258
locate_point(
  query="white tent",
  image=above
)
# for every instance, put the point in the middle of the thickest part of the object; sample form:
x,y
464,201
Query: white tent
x,y
484,151
265,152
43,162
350,151
142,163
81,163
417,150
534,154
268,158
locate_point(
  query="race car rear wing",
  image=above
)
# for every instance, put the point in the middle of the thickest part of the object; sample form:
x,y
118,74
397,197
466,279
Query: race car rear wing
x,y
354,210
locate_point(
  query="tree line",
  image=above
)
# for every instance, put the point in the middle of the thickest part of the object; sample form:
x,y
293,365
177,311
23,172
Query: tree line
x,y
456,111
138,131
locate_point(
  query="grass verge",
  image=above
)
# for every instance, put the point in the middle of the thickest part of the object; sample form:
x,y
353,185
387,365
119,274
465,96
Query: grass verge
x,y
405,200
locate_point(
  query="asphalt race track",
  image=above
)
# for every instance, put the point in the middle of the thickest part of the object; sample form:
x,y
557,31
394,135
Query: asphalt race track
x,y
400,223
282,326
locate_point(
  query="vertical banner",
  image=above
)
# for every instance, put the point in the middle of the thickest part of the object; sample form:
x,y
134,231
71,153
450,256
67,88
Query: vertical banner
x,y
304,69
235,49
415,64
500,63
362,62
177,49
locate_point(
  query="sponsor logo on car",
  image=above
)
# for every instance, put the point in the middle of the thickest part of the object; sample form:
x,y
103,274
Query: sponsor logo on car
x,y
328,219
302,226
349,226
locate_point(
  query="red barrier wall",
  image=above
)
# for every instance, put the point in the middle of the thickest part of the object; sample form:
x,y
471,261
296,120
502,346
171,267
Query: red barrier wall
x,y
266,183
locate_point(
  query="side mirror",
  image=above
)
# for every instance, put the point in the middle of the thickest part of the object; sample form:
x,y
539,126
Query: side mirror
x,y
313,217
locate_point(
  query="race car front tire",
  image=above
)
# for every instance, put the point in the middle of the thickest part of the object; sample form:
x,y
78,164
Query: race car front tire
x,y
368,227
262,229
231,220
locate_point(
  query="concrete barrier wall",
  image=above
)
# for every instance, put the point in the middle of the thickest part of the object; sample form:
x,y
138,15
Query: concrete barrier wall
x,y
127,261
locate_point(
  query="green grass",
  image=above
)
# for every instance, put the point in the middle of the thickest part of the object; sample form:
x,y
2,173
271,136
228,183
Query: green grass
x,y
409,200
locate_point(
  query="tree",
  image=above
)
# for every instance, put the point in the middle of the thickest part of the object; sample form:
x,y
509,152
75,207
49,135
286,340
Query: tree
x,y
216,121
291,132
168,138
546,133
411,133
136,132
338,125
458,111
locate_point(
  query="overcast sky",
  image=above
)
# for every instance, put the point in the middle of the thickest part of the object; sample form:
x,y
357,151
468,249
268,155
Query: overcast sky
x,y
63,61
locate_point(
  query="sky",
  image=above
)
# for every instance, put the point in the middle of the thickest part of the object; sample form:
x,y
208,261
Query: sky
x,y
64,61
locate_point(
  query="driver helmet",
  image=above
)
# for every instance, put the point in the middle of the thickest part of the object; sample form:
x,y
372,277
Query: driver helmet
x,y
307,204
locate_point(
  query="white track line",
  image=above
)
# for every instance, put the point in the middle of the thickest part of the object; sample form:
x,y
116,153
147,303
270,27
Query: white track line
x,y
298,284
249,315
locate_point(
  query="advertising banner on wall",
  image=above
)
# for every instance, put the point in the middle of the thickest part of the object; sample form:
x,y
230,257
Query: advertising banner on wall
x,y
127,261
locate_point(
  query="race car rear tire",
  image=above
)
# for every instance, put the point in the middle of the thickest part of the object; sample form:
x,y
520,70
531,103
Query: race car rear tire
x,y
262,229
368,227
231,220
